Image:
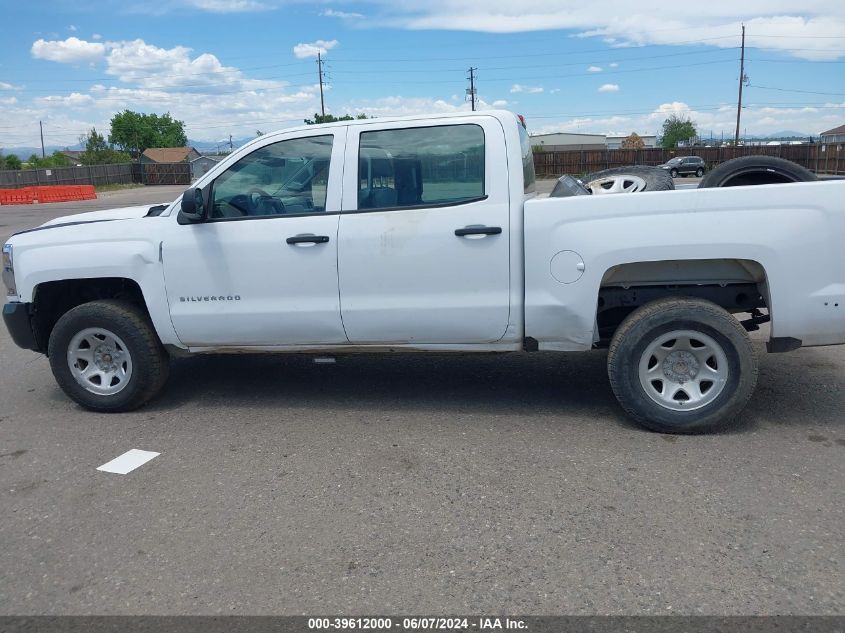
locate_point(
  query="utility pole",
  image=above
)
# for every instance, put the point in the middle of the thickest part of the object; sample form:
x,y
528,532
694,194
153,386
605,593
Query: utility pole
x,y
471,89
742,79
41,127
230,144
320,74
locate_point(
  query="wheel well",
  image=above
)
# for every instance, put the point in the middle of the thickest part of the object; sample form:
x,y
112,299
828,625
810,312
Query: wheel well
x,y
52,299
737,285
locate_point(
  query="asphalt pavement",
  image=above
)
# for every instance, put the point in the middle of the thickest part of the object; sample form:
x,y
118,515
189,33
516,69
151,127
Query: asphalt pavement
x,y
415,484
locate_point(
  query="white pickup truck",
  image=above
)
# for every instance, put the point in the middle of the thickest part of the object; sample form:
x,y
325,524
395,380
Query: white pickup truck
x,y
426,234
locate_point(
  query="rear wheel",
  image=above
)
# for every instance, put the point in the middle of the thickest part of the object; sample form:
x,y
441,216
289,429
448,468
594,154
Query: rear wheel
x,y
105,355
673,173
699,172
682,365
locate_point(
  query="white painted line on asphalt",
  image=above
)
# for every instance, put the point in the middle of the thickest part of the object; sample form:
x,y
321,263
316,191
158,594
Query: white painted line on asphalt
x,y
128,462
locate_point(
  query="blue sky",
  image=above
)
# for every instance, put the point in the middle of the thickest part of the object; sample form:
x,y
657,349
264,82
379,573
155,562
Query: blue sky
x,y
237,66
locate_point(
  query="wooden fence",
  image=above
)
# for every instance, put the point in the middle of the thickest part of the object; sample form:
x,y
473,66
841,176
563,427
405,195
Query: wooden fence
x,y
123,173
821,159
163,173
88,175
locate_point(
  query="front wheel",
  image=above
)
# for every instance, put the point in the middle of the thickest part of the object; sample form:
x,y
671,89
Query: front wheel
x,y
105,355
682,365
699,172
673,173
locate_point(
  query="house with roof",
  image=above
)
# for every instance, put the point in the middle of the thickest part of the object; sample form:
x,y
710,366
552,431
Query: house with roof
x,y
202,164
169,155
833,137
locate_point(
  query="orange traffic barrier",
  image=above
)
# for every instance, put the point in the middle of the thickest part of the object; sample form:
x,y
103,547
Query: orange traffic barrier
x,y
48,193
16,196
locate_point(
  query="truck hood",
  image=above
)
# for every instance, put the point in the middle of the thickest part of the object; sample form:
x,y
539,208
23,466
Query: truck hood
x,y
125,213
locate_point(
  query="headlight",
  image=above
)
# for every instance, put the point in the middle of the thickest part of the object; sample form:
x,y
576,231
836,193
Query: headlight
x,y
9,271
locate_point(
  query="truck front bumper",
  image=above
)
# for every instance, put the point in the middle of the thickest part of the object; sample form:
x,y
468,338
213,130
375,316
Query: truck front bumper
x,y
19,323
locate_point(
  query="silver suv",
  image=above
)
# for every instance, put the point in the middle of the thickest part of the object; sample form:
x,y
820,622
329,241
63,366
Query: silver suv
x,y
685,166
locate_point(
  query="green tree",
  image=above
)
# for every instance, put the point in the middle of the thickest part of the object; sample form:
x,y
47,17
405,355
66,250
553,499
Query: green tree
x,y
330,118
98,152
134,131
10,162
56,159
675,129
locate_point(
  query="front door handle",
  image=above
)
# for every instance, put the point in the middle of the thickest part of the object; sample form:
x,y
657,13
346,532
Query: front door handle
x,y
478,230
307,239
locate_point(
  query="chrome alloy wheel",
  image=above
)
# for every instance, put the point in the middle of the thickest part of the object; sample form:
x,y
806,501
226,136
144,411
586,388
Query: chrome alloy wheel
x,y
621,183
683,370
99,361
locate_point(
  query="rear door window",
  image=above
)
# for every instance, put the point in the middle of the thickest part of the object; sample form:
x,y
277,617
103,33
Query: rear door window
x,y
418,167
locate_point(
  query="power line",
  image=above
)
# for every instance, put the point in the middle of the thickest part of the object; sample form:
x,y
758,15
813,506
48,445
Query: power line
x,y
809,92
380,72
166,96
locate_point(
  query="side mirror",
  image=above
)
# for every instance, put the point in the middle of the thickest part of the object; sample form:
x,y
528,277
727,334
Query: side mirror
x,y
193,207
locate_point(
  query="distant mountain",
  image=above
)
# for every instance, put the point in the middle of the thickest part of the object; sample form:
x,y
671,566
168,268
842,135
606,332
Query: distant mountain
x,y
203,147
211,147
789,134
25,152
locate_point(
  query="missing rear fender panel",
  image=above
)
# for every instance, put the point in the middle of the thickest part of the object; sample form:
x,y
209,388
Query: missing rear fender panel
x,y
616,303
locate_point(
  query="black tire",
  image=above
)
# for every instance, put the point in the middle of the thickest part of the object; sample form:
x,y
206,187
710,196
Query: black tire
x,y
756,170
699,172
150,364
638,333
651,178
673,173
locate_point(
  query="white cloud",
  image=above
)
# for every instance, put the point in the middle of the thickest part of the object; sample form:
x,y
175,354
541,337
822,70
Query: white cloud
x,y
406,106
594,69
529,89
306,50
8,86
614,65
155,68
609,88
758,120
8,100
71,28
228,6
69,51
96,36
499,103
73,100
554,91
344,15
814,27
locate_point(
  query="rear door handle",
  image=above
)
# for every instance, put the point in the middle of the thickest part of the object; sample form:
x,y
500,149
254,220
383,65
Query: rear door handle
x,y
307,239
478,230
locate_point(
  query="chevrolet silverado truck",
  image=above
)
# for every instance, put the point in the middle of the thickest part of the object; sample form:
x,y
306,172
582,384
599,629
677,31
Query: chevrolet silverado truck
x,y
426,234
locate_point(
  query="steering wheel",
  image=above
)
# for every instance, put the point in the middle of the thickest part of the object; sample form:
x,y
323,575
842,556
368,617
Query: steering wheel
x,y
263,203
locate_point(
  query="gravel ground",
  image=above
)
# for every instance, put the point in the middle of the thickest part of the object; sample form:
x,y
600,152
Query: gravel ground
x,y
415,484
